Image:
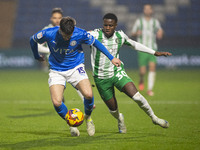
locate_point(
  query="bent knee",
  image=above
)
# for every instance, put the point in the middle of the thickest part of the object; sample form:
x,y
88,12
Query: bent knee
x,y
88,95
56,102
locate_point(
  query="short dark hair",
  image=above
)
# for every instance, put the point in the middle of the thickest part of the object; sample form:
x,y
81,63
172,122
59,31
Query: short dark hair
x,y
110,16
67,25
57,10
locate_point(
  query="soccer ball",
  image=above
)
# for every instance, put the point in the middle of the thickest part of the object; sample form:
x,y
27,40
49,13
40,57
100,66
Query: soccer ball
x,y
74,117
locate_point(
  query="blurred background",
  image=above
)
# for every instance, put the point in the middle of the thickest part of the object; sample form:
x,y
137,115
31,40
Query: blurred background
x,y
180,19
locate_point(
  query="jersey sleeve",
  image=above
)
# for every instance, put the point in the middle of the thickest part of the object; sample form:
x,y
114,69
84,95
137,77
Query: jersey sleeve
x,y
127,40
137,46
87,38
94,33
40,37
136,26
158,26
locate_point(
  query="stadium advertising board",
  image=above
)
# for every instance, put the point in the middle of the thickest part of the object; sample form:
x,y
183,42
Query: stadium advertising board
x,y
182,58
17,59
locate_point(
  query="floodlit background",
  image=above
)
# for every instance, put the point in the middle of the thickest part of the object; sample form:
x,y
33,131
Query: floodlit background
x,y
180,20
28,120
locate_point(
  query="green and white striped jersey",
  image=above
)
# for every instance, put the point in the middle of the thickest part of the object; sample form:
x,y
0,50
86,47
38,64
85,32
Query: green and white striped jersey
x,y
101,65
48,26
149,30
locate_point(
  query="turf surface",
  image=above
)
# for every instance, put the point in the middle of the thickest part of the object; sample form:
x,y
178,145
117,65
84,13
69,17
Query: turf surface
x,y
28,120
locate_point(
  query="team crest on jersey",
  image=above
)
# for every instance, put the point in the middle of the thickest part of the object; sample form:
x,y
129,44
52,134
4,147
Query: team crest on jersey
x,y
73,43
39,35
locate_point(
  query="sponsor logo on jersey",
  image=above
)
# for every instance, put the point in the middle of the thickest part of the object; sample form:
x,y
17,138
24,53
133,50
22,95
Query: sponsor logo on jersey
x,y
39,35
73,43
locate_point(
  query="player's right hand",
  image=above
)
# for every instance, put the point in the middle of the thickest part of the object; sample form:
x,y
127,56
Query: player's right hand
x,y
41,58
116,62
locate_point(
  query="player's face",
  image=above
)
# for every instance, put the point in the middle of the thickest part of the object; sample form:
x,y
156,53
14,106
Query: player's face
x,y
109,26
55,19
148,10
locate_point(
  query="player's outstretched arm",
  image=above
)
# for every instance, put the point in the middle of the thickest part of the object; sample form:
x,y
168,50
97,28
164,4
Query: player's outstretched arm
x,y
143,48
102,48
163,54
34,48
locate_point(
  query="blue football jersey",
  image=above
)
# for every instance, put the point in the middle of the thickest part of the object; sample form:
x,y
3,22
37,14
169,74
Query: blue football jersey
x,y
64,55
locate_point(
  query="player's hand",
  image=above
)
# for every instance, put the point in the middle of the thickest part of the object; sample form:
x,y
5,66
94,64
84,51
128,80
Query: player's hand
x,y
41,58
163,54
139,32
116,62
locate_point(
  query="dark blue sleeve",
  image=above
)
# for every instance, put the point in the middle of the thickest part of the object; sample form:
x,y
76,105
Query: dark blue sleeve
x,y
102,48
37,38
88,38
34,48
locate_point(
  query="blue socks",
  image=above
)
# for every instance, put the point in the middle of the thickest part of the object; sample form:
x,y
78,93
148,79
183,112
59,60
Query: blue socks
x,y
61,110
88,103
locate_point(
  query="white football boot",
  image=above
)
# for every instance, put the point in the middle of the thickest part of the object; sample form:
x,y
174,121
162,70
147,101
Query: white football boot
x,y
74,131
161,122
121,124
90,125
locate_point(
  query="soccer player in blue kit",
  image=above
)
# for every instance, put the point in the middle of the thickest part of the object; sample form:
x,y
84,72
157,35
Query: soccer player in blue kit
x,y
66,65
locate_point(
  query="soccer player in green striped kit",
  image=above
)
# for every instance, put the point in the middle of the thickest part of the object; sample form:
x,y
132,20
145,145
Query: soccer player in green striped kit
x,y
107,76
147,29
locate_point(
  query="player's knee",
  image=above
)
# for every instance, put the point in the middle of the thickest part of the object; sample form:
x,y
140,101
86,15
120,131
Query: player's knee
x,y
152,69
56,102
88,95
113,108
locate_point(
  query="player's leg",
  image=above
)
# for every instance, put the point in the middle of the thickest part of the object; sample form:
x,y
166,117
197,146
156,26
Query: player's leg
x,y
56,92
113,107
79,79
106,90
85,88
82,97
63,99
142,72
56,86
130,90
151,75
142,61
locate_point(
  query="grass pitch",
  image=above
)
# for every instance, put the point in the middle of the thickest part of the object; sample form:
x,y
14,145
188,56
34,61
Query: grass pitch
x,y
28,120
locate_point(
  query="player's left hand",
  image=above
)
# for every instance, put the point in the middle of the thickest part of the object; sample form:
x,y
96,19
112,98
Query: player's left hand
x,y
163,54
116,62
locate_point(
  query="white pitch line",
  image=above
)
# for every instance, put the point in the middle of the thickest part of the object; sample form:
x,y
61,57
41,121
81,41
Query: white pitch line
x,y
78,101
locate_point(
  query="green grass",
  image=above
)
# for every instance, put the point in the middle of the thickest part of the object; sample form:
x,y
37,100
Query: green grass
x,y
28,120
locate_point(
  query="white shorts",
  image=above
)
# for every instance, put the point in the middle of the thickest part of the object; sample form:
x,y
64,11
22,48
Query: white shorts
x,y
72,76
